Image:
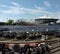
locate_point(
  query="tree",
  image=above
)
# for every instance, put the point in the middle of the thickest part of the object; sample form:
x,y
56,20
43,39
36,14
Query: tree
x,y
10,22
21,22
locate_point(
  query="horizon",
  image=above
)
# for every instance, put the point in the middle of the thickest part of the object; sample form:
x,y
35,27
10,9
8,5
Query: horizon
x,y
28,9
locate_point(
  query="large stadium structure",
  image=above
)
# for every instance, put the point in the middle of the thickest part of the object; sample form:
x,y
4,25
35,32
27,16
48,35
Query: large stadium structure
x,y
45,20
47,26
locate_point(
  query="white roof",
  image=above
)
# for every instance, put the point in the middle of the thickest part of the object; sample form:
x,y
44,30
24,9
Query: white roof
x,y
44,17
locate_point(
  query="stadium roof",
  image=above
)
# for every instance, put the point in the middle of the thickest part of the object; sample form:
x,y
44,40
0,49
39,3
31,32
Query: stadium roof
x,y
46,17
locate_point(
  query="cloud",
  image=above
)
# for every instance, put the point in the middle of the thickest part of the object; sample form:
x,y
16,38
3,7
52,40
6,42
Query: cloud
x,y
1,5
46,3
54,15
57,14
39,8
14,3
22,10
57,6
17,9
13,10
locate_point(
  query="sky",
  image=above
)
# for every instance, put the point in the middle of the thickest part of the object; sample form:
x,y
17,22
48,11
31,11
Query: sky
x,y
28,9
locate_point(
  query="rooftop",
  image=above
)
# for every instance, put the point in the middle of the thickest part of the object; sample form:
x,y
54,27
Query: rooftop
x,y
46,17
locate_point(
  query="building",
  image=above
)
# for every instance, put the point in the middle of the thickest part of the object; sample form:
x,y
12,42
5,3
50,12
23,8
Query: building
x,y
2,23
45,20
46,26
49,26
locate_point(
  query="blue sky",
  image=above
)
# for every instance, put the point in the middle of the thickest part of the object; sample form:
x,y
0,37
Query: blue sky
x,y
28,9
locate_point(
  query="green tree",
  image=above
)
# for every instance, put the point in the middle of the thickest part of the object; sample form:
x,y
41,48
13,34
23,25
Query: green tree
x,y
10,22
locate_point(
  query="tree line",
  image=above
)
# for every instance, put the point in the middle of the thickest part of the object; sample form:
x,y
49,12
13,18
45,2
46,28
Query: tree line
x,y
17,22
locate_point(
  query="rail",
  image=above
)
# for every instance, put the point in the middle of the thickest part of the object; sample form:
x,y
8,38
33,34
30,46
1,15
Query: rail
x,y
35,41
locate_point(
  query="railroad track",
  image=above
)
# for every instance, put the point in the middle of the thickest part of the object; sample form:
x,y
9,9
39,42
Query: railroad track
x,y
55,49
32,41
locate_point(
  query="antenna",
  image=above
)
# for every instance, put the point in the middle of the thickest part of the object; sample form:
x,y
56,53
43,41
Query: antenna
x,y
47,16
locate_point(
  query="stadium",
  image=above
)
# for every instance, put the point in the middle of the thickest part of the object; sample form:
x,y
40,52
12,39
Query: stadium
x,y
45,32
44,26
